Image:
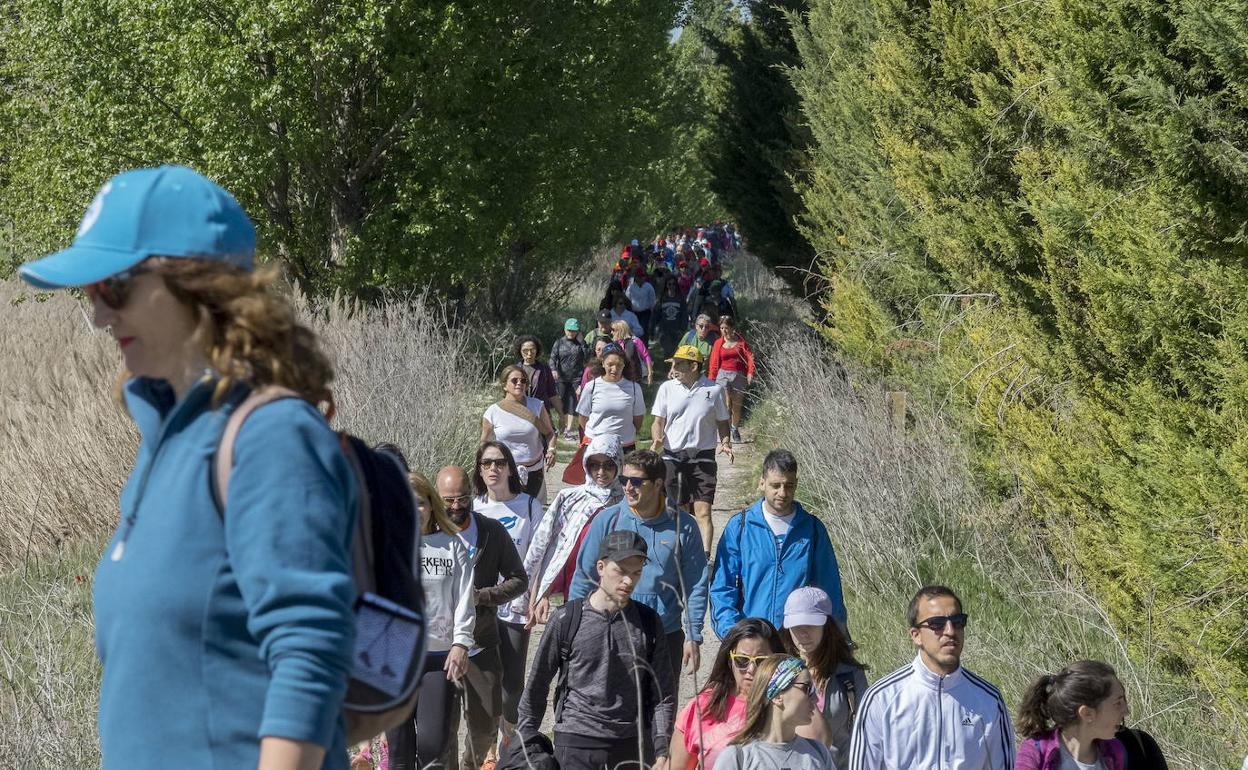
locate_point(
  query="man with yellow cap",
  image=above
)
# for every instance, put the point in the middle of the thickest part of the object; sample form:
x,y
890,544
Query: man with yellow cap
x,y
690,417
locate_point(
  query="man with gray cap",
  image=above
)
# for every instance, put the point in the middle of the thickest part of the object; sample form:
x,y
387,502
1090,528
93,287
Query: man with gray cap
x,y
615,695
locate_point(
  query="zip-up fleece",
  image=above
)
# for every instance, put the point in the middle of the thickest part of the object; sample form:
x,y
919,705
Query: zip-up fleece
x,y
661,577
215,631
603,673
747,549
916,718
1045,753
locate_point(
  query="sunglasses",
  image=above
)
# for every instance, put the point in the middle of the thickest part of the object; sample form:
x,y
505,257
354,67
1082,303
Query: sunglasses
x,y
937,623
494,462
743,661
805,687
600,466
452,501
634,481
114,291
517,381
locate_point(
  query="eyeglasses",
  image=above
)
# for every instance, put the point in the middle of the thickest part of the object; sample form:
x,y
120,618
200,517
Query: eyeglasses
x,y
494,462
743,662
937,623
114,291
634,481
452,502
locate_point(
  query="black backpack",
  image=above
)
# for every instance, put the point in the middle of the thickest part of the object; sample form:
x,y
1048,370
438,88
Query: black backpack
x,y
570,621
390,603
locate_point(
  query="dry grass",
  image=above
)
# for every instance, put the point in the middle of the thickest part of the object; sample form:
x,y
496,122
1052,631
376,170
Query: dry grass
x,y
66,448
65,445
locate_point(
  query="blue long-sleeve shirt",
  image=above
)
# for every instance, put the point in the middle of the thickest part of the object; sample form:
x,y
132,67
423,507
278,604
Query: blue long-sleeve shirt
x,y
660,580
770,572
217,631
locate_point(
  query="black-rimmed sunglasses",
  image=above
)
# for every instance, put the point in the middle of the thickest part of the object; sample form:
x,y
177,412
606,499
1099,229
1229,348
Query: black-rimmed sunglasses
x,y
634,481
937,623
114,291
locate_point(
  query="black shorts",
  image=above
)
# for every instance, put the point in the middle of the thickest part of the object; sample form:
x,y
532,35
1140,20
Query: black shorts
x,y
690,476
567,396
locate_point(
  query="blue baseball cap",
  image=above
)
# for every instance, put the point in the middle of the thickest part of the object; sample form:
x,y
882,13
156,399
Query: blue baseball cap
x,y
170,211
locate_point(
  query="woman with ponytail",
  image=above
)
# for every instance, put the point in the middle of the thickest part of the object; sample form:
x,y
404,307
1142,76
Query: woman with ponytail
x,y
1068,720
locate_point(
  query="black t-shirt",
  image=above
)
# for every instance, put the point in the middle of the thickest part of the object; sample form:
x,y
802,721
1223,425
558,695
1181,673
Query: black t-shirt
x,y
1143,753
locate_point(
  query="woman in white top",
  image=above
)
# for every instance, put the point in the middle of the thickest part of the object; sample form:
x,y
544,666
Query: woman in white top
x,y
781,700
523,424
500,496
611,404
450,615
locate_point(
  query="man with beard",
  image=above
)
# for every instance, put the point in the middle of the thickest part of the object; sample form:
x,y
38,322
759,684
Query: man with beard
x,y
498,577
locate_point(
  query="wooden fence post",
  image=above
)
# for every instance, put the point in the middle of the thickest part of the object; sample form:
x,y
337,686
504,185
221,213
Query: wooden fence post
x,y
897,410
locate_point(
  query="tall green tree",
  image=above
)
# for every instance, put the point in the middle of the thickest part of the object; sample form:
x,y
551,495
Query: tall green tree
x,y
758,135
376,143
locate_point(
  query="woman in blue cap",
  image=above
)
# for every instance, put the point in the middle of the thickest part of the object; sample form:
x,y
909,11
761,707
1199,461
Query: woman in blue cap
x,y
225,631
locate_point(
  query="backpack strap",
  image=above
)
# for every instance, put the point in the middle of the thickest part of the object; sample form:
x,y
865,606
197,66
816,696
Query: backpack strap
x,y
571,624
223,462
846,681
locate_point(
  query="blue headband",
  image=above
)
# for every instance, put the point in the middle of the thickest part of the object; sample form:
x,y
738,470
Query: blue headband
x,y
786,672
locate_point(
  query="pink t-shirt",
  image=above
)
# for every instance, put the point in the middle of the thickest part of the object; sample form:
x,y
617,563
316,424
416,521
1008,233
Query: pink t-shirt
x,y
700,728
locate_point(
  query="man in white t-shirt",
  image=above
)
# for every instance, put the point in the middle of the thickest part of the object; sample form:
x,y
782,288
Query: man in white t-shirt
x,y
690,417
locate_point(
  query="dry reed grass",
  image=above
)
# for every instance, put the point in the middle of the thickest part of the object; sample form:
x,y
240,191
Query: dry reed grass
x,y
66,448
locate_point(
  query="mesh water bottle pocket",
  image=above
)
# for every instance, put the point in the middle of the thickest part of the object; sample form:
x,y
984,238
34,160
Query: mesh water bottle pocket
x,y
385,636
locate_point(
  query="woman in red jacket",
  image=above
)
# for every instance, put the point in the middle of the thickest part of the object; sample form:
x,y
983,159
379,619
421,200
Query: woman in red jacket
x,y
732,363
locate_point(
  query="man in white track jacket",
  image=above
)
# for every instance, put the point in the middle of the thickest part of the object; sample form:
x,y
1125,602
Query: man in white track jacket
x,y
932,714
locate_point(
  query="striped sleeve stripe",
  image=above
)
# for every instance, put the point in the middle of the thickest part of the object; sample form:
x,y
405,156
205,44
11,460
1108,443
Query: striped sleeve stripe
x,y
857,747
1003,723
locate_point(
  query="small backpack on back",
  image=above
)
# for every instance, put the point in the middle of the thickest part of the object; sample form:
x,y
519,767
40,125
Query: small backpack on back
x,y
651,627
390,604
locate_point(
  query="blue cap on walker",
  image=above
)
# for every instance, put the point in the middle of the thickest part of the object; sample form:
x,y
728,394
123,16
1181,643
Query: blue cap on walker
x,y
170,211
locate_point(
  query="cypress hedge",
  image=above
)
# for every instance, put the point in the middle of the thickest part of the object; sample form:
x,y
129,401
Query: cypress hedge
x,y
1034,212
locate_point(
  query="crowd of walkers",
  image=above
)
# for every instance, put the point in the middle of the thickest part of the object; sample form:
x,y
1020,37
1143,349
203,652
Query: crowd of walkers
x,y
225,615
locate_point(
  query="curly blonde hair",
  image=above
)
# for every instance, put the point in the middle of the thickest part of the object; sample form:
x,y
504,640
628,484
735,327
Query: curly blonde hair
x,y
248,330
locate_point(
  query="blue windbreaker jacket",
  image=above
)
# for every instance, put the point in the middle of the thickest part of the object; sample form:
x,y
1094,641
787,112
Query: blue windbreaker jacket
x,y
747,549
660,579
213,632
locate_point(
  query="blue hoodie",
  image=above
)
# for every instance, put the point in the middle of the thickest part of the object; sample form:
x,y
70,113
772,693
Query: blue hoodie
x,y
660,579
214,633
769,574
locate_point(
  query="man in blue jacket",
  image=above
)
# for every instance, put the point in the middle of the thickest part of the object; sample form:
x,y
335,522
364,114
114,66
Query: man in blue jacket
x,y
673,583
771,549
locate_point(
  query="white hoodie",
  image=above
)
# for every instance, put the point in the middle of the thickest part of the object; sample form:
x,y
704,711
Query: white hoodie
x,y
572,510
446,577
914,718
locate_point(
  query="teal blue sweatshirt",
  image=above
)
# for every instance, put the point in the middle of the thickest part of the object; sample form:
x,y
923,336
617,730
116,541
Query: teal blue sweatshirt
x,y
214,633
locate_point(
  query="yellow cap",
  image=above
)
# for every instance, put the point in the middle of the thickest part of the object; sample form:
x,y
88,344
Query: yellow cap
x,y
687,353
